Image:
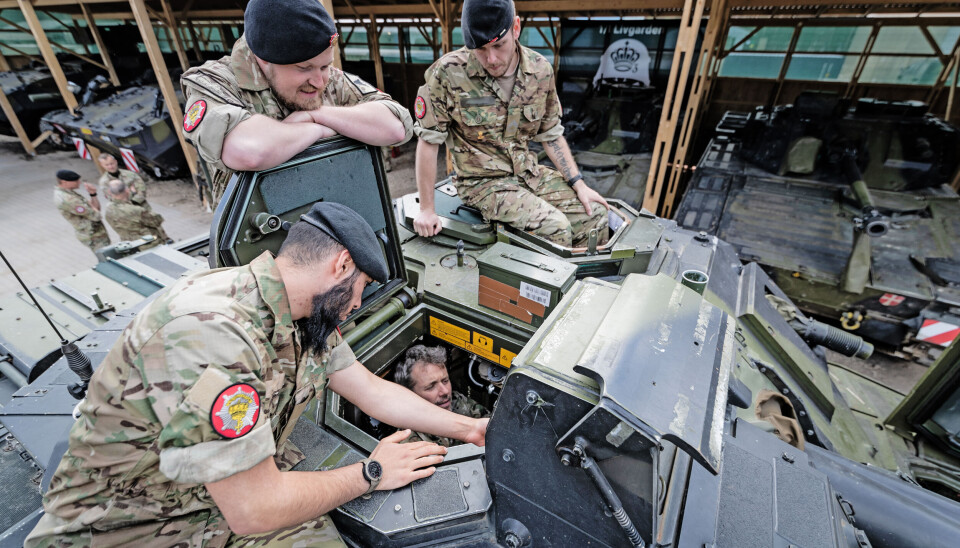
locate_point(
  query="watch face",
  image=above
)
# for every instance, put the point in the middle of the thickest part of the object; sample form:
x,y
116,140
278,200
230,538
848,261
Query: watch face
x,y
374,469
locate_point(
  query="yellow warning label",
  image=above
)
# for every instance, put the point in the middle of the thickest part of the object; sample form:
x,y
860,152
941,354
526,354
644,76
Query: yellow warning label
x,y
482,345
86,131
506,357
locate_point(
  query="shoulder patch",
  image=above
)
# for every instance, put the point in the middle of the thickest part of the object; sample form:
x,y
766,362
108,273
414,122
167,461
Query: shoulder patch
x,y
194,115
420,107
362,86
80,210
235,411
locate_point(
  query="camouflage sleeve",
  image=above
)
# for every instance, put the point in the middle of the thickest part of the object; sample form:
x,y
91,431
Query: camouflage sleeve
x,y
74,205
138,192
550,127
206,360
353,90
341,355
209,117
431,108
150,218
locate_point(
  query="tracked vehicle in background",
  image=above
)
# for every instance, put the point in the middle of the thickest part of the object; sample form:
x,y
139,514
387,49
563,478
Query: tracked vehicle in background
x,y
847,207
32,93
660,398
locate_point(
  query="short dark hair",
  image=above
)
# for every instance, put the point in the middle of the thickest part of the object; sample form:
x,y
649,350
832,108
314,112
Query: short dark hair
x,y
418,354
306,245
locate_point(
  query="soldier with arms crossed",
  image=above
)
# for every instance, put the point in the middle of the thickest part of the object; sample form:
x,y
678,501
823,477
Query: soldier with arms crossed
x,y
183,436
133,182
277,93
132,221
487,101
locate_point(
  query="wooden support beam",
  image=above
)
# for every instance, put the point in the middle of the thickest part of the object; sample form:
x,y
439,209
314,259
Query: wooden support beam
x,y
709,48
101,47
953,87
4,65
41,138
194,41
167,89
58,45
51,59
173,30
775,96
21,134
27,55
328,5
862,62
741,42
373,39
665,146
446,26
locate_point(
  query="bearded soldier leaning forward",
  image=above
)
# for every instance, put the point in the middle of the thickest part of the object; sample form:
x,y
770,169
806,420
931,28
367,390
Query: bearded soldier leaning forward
x,y
487,101
277,93
182,439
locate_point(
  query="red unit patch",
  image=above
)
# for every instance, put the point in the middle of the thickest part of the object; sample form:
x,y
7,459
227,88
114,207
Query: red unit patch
x,y
420,107
891,299
194,115
235,411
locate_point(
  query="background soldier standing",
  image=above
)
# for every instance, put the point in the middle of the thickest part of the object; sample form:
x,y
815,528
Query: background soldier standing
x,y
130,220
135,184
487,101
82,213
424,371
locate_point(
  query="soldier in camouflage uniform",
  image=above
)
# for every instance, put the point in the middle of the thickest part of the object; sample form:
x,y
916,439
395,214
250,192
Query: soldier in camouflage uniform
x,y
277,94
424,371
80,212
183,436
135,184
132,221
487,101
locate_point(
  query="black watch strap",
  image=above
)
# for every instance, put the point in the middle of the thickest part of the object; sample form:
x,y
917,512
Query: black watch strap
x,y
577,177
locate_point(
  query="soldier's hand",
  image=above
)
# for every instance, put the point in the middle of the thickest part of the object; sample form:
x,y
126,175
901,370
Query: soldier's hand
x,y
299,116
478,434
91,189
427,223
405,462
586,195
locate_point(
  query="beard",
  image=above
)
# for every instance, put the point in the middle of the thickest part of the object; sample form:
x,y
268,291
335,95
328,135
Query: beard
x,y
325,314
291,104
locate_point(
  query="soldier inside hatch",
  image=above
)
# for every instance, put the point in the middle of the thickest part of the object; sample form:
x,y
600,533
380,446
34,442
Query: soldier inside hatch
x,y
82,213
183,438
424,371
487,101
277,93
134,183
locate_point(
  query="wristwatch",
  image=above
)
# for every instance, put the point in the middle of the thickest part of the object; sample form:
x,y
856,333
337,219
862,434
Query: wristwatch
x,y
372,472
578,177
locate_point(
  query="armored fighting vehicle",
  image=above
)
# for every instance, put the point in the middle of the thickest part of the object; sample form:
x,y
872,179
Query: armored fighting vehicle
x,y
846,206
133,125
677,399
33,93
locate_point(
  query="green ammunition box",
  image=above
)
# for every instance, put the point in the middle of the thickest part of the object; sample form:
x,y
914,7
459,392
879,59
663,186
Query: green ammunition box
x,y
521,283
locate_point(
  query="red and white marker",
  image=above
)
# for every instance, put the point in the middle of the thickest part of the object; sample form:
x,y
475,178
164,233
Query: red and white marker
x,y
129,160
937,332
891,299
81,148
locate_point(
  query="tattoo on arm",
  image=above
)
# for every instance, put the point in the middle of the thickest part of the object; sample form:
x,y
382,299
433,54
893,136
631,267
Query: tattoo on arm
x,y
561,159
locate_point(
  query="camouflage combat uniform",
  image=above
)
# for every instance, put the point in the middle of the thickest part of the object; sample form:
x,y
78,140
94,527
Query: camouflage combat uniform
x,y
460,405
138,189
234,88
131,221
85,220
488,129
146,441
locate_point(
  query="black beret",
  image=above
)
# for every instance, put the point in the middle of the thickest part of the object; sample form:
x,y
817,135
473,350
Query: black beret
x,y
485,21
67,175
350,230
284,32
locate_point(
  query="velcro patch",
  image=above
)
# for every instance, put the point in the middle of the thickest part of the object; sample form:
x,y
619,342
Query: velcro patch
x,y
235,411
420,107
362,86
194,115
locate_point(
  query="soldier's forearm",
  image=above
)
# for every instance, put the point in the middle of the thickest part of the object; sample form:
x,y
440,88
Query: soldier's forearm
x,y
559,153
426,168
370,123
260,142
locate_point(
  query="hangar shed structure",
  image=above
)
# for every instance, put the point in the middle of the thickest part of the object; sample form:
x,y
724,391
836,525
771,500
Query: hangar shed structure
x,y
712,55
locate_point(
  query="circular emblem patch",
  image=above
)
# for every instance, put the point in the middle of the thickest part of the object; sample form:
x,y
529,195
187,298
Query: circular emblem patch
x,y
81,210
334,37
420,107
194,115
235,411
